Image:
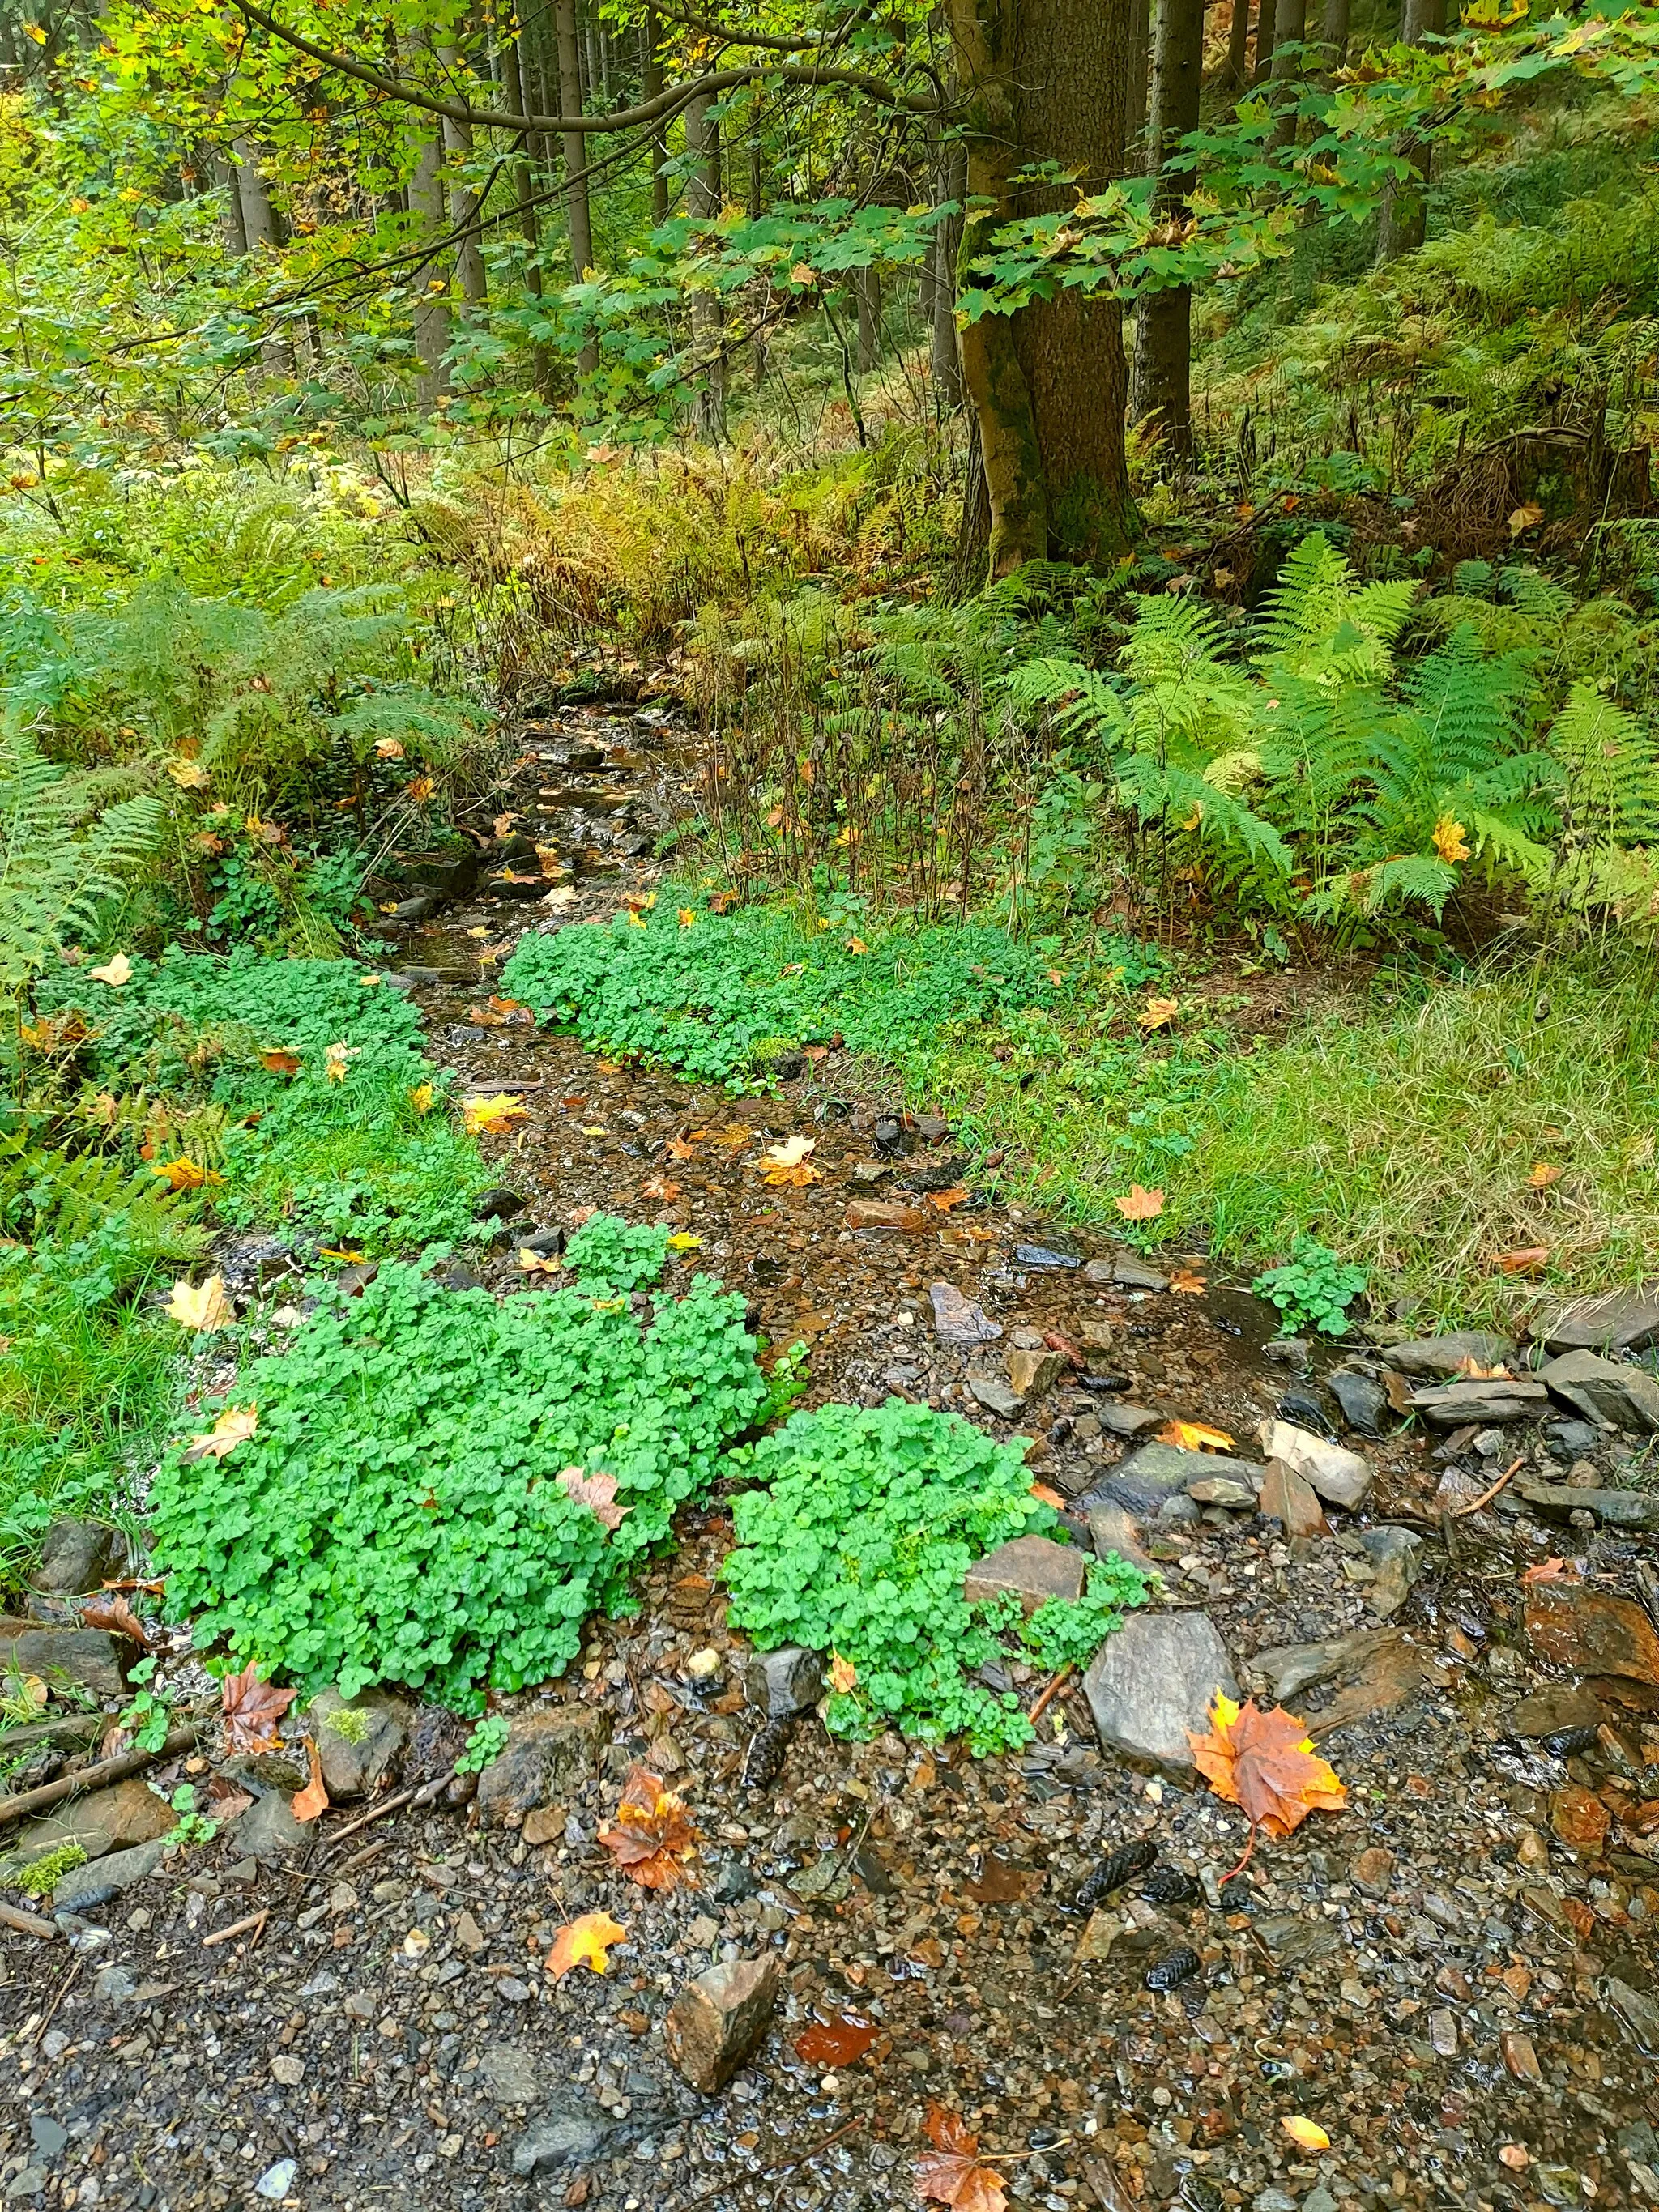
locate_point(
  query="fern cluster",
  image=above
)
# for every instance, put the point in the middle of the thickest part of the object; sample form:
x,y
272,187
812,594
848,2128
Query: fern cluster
x,y
60,856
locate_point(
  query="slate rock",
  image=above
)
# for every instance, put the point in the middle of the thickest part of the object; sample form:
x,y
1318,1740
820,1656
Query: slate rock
x,y
959,1319
1639,2011
92,1658
576,2129
1340,1476
1616,1508
1125,1272
1156,1472
1044,1255
543,1755
1034,1373
1591,1631
1443,1356
414,909
509,2073
1604,1390
1363,1401
516,883
1126,1420
83,1887
1556,1706
1294,1939
1479,1403
49,2136
107,1820
1395,1559
268,1831
1377,1669
78,1556
1286,1498
1223,1490
996,1396
499,1204
450,873
785,1682
1034,1568
1114,1531
358,1738
717,2021
1616,1321
1153,1681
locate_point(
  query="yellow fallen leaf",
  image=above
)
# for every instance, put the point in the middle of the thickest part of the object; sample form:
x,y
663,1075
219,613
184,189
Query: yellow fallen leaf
x,y
685,1243
344,1255
389,748
368,983
585,1942
202,1305
115,972
538,1263
1195,1436
233,1427
1158,1012
843,1674
636,921
482,1116
336,1059
856,945
1543,1176
422,1097
1308,2133
1140,1205
1449,839
183,1174
594,1129
686,916
188,775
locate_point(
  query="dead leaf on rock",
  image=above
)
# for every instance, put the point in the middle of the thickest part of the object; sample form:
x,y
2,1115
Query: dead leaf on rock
x,y
1308,2133
585,1942
952,2172
785,1165
1195,1436
1265,1763
653,1834
110,1611
252,1709
307,1804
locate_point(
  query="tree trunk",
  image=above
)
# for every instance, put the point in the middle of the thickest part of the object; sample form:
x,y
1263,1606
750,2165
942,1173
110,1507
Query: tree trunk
x,y
1334,30
1134,111
573,146
1405,218
1265,25
464,204
1288,63
940,298
702,199
431,280
1164,321
866,293
1045,81
1238,42
259,229
524,186
233,230
650,86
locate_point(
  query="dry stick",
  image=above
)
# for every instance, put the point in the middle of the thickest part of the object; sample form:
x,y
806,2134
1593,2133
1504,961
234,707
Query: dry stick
x,y
27,1923
255,1921
422,1794
91,1778
1047,1699
776,2172
63,1991
1486,1496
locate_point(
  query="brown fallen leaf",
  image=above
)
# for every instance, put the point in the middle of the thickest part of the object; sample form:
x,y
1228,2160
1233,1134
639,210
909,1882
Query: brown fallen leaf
x,y
943,1200
252,1709
1550,1571
1044,1496
1265,1763
1189,1281
1140,1205
307,1804
1528,516
836,2042
596,1492
998,1883
952,2172
1195,1436
659,1187
233,1427
653,1834
1524,1261
784,1166
110,1610
1158,1013
682,1148
1543,1176
585,1942
843,1674
281,1063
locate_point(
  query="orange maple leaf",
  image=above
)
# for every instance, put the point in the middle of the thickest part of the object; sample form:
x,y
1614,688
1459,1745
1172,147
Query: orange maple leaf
x,y
843,1674
1524,1261
652,1833
952,2172
945,1200
1543,1176
660,1187
1188,1280
309,1803
1265,1763
1195,1436
1140,1205
252,1710
280,1062
585,1942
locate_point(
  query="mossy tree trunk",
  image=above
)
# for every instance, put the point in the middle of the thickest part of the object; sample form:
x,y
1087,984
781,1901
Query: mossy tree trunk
x,y
1046,81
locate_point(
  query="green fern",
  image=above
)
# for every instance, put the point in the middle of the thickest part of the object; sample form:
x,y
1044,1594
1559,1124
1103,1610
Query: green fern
x,y
56,866
73,1198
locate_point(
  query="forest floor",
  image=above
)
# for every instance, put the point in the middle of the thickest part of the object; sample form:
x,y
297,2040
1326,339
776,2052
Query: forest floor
x,y
1455,1977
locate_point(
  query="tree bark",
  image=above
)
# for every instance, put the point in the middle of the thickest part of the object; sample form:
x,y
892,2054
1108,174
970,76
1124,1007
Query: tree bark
x,y
1404,221
425,200
651,82
259,229
1134,110
1288,63
702,197
1045,80
866,294
1163,320
233,230
578,209
1266,30
1333,29
940,298
463,205
524,186
1238,42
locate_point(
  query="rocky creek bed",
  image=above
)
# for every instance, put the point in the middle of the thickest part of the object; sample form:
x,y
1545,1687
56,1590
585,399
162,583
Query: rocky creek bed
x,y
1455,1977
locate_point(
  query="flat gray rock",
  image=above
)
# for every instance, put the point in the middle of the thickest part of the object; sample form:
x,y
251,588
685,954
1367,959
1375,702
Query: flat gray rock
x,y
1617,1321
1153,1682
358,1738
1340,1476
1604,1390
996,1396
1485,1402
1615,1509
85,1887
511,2074
959,1319
1154,1472
1443,1356
1034,1568
1114,1532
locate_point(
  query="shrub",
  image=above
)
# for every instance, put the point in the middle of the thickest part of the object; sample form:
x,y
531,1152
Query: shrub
x,y
859,1542
400,1515
1314,1287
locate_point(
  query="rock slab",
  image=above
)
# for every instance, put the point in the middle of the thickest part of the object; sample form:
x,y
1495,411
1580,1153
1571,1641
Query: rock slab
x,y
1485,1401
1617,1321
1340,1476
78,1556
544,1753
1286,1498
90,1657
1153,1682
1591,1633
785,1682
358,1740
717,2021
1604,1390
1617,1509
1445,1356
1034,1568
1154,1473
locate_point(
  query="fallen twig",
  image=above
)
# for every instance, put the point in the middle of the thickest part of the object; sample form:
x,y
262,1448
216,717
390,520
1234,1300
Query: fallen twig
x,y
51,2012
94,1777
27,1923
255,1921
1461,1512
1048,1696
788,2165
422,1794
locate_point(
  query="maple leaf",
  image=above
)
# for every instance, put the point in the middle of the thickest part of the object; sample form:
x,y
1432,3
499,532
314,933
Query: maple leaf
x,y
110,1610
1158,1013
344,1255
660,1187
279,1063
682,1148
183,1174
115,972
252,1709
308,1804
843,1674
1140,1205
202,1306
1527,517
1550,1571
1525,1261
484,1116
686,916
785,1164
422,1097
722,901
1195,1436
1189,1281
233,1427
1265,1763
1543,1176
585,1942
734,1135
1308,2133
653,1832
952,2172
336,1058
596,1492
836,2042
684,1241
943,1201
188,775
388,748
1449,839
539,1263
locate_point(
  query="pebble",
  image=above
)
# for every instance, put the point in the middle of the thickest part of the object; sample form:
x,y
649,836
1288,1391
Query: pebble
x,y
276,2181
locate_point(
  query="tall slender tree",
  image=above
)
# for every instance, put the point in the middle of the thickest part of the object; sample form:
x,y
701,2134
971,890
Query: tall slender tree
x,y
703,199
1164,321
578,207
1404,221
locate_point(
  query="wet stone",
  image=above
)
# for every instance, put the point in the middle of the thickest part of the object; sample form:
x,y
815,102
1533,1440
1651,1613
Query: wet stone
x,y
996,1396
1362,1402
1618,1321
1614,1508
77,1556
1458,1405
510,2073
1340,1476
544,1754
1032,1373
1591,1631
1293,1502
85,1887
90,1657
358,1740
1604,1390
1114,1530
1151,1684
785,1682
1294,1938
1155,1473
1444,1356
574,2130
717,2021
1034,1568
961,1320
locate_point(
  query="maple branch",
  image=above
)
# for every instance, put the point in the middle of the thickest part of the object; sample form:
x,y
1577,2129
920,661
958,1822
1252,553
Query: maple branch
x,y
660,107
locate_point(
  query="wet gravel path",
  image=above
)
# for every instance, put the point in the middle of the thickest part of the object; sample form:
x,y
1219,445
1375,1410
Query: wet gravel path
x,y
1452,1990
